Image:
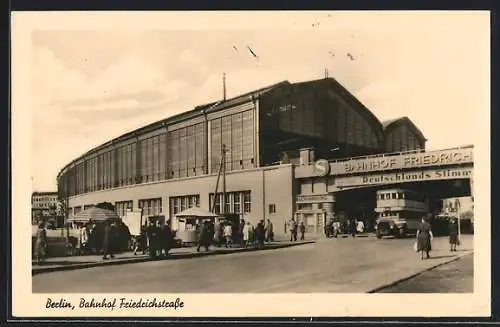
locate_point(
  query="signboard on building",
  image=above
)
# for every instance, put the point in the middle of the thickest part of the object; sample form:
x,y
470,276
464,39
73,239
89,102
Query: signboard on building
x,y
404,161
315,198
403,177
322,167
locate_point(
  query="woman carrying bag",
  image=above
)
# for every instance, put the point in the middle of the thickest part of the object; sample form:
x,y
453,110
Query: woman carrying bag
x,y
424,239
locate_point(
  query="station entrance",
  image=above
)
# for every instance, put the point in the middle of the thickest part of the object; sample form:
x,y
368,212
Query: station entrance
x,y
361,203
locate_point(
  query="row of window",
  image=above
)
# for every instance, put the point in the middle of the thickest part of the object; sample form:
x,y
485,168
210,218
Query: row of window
x,y
236,202
176,154
401,195
236,132
405,214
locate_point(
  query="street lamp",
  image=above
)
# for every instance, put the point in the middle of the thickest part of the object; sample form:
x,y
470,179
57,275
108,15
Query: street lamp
x,y
457,207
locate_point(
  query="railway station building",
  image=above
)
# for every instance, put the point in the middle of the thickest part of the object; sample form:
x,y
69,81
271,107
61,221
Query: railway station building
x,y
281,142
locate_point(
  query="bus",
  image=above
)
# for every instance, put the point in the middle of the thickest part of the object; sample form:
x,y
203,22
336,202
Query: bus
x,y
399,212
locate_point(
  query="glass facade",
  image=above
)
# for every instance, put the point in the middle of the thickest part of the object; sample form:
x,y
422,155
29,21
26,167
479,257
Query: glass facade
x,y
186,151
291,117
401,138
236,132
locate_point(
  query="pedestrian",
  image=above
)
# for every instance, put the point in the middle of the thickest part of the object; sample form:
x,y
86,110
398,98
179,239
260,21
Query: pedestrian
x,y
269,231
85,239
141,241
424,238
204,236
247,234
260,233
352,227
240,231
336,228
360,226
228,234
107,241
293,230
41,243
453,234
167,238
152,235
302,230
217,233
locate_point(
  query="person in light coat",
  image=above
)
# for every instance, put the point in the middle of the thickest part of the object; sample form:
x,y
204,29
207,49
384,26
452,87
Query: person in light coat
x,y
360,227
228,234
247,233
269,231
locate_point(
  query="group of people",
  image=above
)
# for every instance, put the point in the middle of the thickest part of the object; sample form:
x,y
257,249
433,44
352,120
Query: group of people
x,y
295,228
227,233
155,239
425,237
351,227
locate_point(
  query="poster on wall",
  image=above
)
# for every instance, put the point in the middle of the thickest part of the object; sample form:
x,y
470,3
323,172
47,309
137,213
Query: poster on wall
x,y
133,220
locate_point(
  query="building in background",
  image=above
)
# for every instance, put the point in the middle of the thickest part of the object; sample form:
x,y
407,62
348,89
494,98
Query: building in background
x,y
44,204
171,165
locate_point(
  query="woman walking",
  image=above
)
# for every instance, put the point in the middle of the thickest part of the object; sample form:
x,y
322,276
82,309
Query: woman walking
x,y
41,243
424,239
247,234
453,232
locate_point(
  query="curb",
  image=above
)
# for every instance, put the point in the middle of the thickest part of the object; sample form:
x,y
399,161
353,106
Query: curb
x,y
172,257
404,279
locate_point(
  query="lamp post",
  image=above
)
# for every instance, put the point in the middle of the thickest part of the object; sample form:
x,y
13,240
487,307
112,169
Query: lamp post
x,y
457,207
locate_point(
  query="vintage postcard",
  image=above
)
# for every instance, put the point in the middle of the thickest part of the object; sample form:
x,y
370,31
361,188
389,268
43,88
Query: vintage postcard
x,y
245,164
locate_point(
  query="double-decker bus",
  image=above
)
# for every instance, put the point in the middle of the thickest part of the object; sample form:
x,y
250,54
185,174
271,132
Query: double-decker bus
x,y
399,212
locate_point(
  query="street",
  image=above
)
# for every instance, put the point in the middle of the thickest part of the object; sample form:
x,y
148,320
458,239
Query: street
x,y
331,265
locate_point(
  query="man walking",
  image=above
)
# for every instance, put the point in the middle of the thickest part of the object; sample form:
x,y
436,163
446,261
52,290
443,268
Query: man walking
x,y
259,233
293,230
302,230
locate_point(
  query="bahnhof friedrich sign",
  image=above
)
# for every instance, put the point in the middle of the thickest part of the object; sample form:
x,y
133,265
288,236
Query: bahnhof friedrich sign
x,y
404,161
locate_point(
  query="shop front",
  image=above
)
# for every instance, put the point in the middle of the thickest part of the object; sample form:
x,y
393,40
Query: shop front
x,y
315,211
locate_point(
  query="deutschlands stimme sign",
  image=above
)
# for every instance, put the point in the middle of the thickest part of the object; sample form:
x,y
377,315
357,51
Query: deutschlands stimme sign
x,y
403,177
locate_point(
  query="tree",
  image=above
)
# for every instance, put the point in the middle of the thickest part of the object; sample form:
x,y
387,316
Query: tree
x,y
105,205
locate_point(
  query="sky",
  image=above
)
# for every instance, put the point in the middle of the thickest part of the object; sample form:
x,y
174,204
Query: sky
x,y
95,77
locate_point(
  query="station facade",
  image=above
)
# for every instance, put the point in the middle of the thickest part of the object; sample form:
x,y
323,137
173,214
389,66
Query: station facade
x,y
273,136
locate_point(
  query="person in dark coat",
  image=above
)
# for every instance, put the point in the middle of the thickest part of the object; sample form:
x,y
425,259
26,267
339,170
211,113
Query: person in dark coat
x,y
167,238
293,230
204,236
260,234
352,227
141,241
152,234
302,228
453,234
41,243
107,241
424,238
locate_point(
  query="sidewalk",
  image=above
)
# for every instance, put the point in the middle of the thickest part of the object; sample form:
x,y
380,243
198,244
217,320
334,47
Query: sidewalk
x,y
401,272
89,261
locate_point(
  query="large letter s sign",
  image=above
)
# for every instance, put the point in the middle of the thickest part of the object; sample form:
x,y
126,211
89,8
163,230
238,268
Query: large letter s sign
x,y
322,167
